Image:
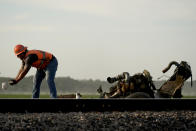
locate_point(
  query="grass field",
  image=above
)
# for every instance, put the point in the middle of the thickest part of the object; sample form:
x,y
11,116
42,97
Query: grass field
x,y
47,96
41,96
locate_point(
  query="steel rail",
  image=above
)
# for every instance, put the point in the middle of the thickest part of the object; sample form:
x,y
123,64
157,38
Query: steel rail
x,y
100,105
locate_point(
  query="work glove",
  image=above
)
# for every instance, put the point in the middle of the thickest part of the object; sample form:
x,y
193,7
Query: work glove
x,y
12,82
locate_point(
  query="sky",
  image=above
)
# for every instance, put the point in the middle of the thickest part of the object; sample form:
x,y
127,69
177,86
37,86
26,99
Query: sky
x,y
94,39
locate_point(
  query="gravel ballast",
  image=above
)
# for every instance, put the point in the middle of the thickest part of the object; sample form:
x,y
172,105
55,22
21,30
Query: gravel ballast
x,y
103,121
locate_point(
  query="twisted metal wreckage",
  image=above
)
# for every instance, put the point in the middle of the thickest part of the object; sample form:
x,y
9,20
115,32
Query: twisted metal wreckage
x,y
140,85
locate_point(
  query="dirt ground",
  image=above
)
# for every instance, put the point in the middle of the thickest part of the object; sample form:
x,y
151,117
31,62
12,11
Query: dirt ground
x,y
101,121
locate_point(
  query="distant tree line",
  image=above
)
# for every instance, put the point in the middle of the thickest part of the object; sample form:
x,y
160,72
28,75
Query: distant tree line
x,y
63,84
66,85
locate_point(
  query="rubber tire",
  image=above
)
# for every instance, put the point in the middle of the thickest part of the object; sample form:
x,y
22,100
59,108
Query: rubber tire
x,y
138,95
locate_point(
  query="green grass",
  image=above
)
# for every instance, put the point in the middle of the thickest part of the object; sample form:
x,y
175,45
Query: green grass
x,y
21,96
41,96
47,96
189,96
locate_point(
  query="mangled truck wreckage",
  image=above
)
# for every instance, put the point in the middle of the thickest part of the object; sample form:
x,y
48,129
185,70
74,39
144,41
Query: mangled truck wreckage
x,y
140,85
173,86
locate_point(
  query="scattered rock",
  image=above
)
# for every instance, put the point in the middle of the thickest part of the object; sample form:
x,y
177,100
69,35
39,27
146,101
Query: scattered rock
x,y
102,121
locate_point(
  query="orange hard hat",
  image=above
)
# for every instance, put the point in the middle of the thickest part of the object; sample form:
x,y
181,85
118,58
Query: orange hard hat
x,y
19,49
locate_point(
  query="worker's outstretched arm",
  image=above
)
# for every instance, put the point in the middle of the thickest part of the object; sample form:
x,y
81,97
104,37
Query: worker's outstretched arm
x,y
22,73
21,69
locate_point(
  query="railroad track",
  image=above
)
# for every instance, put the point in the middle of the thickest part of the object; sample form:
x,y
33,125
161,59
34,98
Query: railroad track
x,y
87,105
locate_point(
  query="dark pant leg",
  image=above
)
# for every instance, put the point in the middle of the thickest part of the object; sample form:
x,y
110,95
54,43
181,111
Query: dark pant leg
x,y
39,76
50,76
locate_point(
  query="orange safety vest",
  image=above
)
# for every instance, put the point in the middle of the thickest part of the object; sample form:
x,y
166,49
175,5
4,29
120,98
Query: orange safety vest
x,y
43,58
